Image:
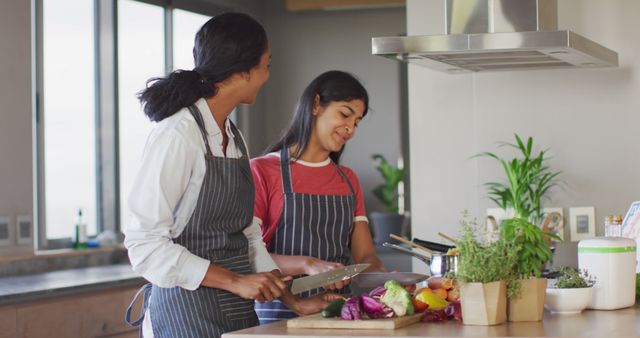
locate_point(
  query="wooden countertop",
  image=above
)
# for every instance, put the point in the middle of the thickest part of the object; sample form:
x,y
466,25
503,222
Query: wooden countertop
x,y
590,323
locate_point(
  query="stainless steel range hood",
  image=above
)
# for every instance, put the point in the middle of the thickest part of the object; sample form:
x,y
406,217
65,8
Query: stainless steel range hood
x,y
493,35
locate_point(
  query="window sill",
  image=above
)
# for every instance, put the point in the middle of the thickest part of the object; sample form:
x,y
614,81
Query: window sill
x,y
62,259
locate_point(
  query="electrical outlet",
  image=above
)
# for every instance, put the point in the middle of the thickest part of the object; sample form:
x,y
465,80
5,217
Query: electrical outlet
x,y
5,235
24,230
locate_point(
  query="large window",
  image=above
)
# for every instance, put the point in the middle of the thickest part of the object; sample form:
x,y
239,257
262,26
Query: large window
x,y
69,115
185,26
94,56
140,57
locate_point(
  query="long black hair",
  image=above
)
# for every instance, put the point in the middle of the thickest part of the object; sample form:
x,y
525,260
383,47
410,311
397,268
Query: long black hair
x,y
330,87
228,43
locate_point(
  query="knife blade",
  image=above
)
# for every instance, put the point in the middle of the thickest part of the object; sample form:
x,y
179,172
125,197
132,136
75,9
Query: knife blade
x,y
329,277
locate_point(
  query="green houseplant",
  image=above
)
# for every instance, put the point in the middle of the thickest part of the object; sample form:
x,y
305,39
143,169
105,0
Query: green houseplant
x,y
571,292
390,221
486,273
534,252
528,180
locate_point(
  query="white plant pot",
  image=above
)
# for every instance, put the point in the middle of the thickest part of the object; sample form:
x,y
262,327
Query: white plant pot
x,y
567,301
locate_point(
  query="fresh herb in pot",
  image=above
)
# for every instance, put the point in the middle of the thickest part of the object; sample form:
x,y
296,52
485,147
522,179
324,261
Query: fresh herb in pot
x,y
570,278
535,251
486,261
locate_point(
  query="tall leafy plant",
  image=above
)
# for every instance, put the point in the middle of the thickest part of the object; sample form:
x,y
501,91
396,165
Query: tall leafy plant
x,y
528,181
387,193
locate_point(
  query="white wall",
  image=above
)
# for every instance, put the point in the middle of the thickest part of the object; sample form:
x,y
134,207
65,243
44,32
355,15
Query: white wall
x,y
589,119
16,196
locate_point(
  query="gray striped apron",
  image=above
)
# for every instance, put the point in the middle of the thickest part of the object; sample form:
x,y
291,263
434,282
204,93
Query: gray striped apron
x,y
214,232
310,225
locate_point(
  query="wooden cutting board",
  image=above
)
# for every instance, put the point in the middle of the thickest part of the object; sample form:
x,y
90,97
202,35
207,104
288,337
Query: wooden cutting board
x,y
318,322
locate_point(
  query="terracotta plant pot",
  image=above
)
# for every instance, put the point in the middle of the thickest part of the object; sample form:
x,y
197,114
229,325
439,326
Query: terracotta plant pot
x,y
484,303
529,306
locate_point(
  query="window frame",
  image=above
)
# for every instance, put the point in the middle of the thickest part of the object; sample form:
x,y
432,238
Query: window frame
x,y
106,108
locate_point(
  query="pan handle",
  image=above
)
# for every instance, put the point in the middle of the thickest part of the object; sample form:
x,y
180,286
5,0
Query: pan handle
x,y
423,258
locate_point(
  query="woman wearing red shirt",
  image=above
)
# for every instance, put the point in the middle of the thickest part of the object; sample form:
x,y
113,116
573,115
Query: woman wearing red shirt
x,y
310,207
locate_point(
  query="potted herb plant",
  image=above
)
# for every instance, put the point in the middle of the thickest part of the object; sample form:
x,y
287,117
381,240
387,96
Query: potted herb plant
x,y
485,273
571,292
390,221
528,304
529,179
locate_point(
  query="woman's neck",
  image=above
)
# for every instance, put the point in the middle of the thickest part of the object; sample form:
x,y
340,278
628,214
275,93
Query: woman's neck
x,y
221,106
313,153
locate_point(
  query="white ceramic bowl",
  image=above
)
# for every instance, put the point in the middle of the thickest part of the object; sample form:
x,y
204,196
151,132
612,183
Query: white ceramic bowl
x,y
567,301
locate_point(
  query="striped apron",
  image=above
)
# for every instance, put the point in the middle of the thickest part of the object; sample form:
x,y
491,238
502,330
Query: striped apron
x,y
214,232
310,225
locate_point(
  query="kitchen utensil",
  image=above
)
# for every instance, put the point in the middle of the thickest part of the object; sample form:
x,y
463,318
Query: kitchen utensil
x,y
318,322
612,261
438,247
447,237
325,278
439,264
374,279
415,245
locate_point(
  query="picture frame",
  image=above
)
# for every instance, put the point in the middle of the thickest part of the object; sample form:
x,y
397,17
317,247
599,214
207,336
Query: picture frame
x,y
556,226
582,223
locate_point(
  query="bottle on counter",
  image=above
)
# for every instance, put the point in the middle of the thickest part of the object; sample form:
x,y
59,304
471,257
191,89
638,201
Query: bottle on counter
x,y
81,233
613,226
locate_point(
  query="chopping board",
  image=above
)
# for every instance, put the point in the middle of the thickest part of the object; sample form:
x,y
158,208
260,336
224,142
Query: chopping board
x,y
318,322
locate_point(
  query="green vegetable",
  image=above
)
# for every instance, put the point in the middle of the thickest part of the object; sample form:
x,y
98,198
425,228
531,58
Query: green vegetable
x,y
397,298
333,309
638,286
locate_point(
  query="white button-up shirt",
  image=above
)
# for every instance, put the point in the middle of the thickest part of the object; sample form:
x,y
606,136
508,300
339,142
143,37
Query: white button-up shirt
x,y
164,196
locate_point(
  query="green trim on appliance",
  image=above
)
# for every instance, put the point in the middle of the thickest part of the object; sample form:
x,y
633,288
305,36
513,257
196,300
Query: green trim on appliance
x,y
608,250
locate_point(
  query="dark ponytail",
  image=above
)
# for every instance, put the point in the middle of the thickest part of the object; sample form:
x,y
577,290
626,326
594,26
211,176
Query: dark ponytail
x,y
331,86
227,44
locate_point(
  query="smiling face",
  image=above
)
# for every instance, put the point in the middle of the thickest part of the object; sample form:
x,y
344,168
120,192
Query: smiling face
x,y
335,124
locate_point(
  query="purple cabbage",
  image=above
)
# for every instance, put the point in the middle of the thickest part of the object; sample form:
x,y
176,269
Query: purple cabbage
x,y
351,309
374,308
377,292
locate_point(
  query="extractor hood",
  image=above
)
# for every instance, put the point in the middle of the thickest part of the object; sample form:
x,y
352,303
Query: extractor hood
x,y
493,35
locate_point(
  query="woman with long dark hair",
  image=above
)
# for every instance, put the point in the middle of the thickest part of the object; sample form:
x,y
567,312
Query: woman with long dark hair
x,y
191,234
310,207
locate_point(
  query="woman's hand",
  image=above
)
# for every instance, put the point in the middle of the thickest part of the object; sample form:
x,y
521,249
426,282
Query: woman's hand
x,y
263,286
315,304
314,266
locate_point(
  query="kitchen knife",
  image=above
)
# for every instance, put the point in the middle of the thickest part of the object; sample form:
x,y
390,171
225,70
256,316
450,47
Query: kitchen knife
x,y
325,278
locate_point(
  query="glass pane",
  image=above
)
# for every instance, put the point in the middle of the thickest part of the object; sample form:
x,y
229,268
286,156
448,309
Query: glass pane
x,y
185,26
140,57
69,115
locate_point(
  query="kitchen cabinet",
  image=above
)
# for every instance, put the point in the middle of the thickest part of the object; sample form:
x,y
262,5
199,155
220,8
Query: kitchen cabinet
x,y
89,314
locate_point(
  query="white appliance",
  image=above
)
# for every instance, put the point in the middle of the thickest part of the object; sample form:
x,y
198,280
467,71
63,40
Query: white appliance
x,y
612,260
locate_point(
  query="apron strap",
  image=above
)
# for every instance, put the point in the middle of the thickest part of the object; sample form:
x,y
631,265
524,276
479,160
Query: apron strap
x,y
239,139
285,171
145,290
197,115
353,192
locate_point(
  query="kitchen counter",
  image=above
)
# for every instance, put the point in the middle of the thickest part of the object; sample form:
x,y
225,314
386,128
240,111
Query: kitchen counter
x,y
590,323
65,282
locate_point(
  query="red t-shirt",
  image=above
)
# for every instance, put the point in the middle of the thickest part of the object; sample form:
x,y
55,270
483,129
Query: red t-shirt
x,y
321,178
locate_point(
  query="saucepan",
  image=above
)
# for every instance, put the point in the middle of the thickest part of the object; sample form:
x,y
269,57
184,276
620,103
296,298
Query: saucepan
x,y
439,264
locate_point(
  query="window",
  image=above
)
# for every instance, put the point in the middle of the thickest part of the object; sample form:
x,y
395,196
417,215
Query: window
x,y
93,57
140,57
185,26
69,115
